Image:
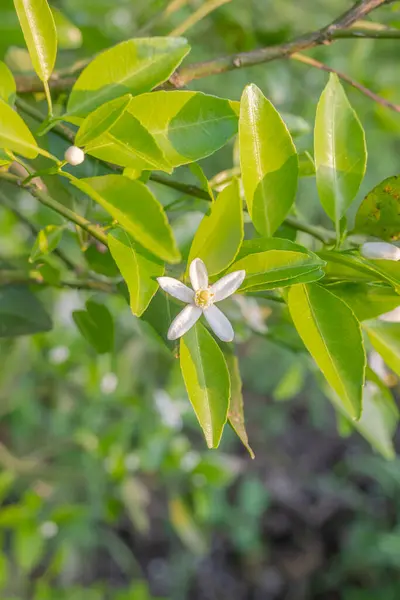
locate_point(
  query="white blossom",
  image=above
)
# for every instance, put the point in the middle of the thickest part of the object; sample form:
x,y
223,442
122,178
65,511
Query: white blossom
x,y
380,251
74,156
393,316
200,300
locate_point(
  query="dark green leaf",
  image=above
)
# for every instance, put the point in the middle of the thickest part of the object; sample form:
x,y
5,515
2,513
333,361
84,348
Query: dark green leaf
x,y
96,326
21,313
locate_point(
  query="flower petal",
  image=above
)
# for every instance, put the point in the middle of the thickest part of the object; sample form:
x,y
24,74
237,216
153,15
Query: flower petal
x,y
176,288
184,321
392,316
227,285
219,323
380,250
198,274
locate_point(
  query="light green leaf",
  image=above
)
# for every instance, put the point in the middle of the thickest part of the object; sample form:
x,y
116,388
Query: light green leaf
x,y
46,241
268,161
128,144
37,24
220,234
131,67
139,269
14,134
186,125
339,150
96,326
4,158
275,268
136,209
306,165
21,313
101,120
8,87
256,245
385,338
69,36
367,301
333,337
379,213
207,381
202,179
236,413
28,546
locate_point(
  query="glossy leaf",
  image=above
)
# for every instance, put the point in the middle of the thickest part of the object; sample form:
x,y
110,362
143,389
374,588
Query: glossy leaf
x,y
220,233
333,337
275,268
367,301
128,144
268,161
207,381
8,87
96,326
21,313
236,413
379,212
131,67
186,125
101,120
256,245
136,209
46,241
38,27
339,150
385,338
139,269
14,134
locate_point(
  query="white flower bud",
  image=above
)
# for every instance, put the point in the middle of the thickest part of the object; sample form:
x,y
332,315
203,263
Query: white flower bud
x,y
74,156
392,316
380,250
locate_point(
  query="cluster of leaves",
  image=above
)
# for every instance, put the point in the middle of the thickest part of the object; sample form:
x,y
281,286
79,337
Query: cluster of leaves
x,y
122,122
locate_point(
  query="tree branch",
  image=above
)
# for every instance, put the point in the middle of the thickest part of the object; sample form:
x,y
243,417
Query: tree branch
x,y
34,277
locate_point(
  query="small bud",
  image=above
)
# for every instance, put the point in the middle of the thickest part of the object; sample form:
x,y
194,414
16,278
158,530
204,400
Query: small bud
x,y
392,316
380,250
74,156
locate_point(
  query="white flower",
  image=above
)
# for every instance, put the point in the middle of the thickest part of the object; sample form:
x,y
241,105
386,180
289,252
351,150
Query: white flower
x,y
392,316
74,156
201,300
380,251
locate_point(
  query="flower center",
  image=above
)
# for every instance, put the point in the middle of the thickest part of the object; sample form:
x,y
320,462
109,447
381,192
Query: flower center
x,y
204,298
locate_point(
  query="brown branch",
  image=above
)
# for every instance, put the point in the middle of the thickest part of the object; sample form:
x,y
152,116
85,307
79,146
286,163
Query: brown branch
x,y
338,29
364,90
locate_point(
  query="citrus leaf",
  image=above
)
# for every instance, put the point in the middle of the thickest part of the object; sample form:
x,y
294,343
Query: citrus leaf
x,y
46,241
332,335
101,120
379,212
385,338
69,36
96,326
14,134
207,381
339,149
268,161
235,413
136,209
131,67
8,87
21,313
37,24
366,301
220,234
139,269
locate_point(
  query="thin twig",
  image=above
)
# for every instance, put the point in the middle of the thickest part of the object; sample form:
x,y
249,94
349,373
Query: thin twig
x,y
34,277
364,90
204,9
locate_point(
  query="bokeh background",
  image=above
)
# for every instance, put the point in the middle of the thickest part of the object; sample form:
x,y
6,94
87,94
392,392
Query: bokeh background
x,y
106,488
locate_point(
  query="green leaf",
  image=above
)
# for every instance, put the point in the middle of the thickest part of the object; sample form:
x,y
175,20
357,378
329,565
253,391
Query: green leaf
x,y
131,67
236,413
21,313
275,268
28,546
8,87
46,241
136,209
99,260
333,337
14,134
69,36
4,159
139,269
101,120
256,245
207,381
220,233
37,24
268,161
379,213
186,125
96,326
367,301
339,149
191,534
198,172
128,144
306,165
385,338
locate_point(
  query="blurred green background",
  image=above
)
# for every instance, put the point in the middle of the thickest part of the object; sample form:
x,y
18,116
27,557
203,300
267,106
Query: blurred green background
x,y
106,488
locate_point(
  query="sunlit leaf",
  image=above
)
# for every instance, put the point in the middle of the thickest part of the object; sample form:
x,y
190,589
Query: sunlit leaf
x,y
8,87
379,213
46,241
101,120
14,134
236,412
385,338
367,301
